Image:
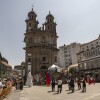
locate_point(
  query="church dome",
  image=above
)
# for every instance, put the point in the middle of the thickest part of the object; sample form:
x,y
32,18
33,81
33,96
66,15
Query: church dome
x,y
32,13
49,16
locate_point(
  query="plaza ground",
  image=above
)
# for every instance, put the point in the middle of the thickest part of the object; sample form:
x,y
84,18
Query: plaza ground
x,y
45,93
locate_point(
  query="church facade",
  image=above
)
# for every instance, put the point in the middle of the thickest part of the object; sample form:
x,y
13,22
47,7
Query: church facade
x,y
40,43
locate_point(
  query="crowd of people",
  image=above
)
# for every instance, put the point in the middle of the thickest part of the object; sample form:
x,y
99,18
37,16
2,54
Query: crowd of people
x,y
5,83
80,82
72,82
19,83
16,82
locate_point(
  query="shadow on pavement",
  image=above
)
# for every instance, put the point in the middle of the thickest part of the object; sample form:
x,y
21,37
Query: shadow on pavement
x,y
82,92
55,93
26,87
67,90
16,91
77,90
70,92
50,91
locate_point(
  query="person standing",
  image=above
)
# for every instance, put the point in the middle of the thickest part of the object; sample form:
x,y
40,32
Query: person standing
x,y
79,83
17,83
53,84
84,85
21,84
72,83
59,85
94,80
29,81
37,79
68,82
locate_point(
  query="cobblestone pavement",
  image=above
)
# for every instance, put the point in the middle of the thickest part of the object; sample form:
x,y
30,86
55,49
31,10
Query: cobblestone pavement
x,y
44,93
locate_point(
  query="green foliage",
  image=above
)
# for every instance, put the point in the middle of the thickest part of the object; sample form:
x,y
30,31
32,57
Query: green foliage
x,y
2,73
72,70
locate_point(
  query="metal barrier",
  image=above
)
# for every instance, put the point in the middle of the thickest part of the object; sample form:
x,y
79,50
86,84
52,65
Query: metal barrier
x,y
5,92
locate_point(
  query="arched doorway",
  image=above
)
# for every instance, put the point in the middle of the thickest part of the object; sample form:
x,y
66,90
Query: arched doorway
x,y
43,69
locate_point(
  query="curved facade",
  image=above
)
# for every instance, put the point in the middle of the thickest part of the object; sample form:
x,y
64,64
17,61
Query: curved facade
x,y
89,58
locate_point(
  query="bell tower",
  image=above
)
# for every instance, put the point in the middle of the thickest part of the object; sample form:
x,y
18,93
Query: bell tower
x,y
31,22
50,25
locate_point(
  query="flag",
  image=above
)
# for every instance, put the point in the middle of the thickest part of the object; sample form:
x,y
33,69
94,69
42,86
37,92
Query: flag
x,y
47,79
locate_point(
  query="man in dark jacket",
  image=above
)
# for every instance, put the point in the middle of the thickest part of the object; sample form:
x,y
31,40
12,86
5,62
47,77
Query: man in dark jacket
x,y
84,85
72,84
53,84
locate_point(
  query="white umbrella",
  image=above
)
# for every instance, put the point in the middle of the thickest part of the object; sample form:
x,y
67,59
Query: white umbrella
x,y
54,67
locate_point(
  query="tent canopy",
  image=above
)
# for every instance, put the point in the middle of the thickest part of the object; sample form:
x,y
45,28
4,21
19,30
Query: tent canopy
x,y
54,67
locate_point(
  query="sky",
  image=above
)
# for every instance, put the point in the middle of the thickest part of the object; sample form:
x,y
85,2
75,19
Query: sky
x,y
77,21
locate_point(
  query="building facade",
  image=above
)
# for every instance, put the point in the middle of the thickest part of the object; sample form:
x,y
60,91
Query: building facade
x,y
40,43
5,68
67,54
89,58
20,69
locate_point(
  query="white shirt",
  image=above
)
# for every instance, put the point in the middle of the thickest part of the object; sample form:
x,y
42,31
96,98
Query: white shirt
x,y
59,82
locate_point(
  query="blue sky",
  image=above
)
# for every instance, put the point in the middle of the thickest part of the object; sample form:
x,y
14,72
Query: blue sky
x,y
77,21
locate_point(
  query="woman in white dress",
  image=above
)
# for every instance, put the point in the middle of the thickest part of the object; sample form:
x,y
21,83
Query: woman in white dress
x,y
29,79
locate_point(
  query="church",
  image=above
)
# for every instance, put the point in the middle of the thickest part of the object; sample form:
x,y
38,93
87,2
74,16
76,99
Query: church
x,y
40,43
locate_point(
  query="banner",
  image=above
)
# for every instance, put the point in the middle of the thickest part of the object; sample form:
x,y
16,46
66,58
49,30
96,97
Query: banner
x,y
47,79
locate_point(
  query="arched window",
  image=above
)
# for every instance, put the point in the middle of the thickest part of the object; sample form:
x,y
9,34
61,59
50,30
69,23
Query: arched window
x,y
43,67
82,49
29,25
93,53
99,51
89,54
29,60
55,59
51,27
96,52
44,59
50,19
31,16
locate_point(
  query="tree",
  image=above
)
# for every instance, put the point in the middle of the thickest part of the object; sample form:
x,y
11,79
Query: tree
x,y
72,70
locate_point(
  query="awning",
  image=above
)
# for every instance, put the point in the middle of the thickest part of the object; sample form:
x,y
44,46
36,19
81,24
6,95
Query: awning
x,y
4,63
74,65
